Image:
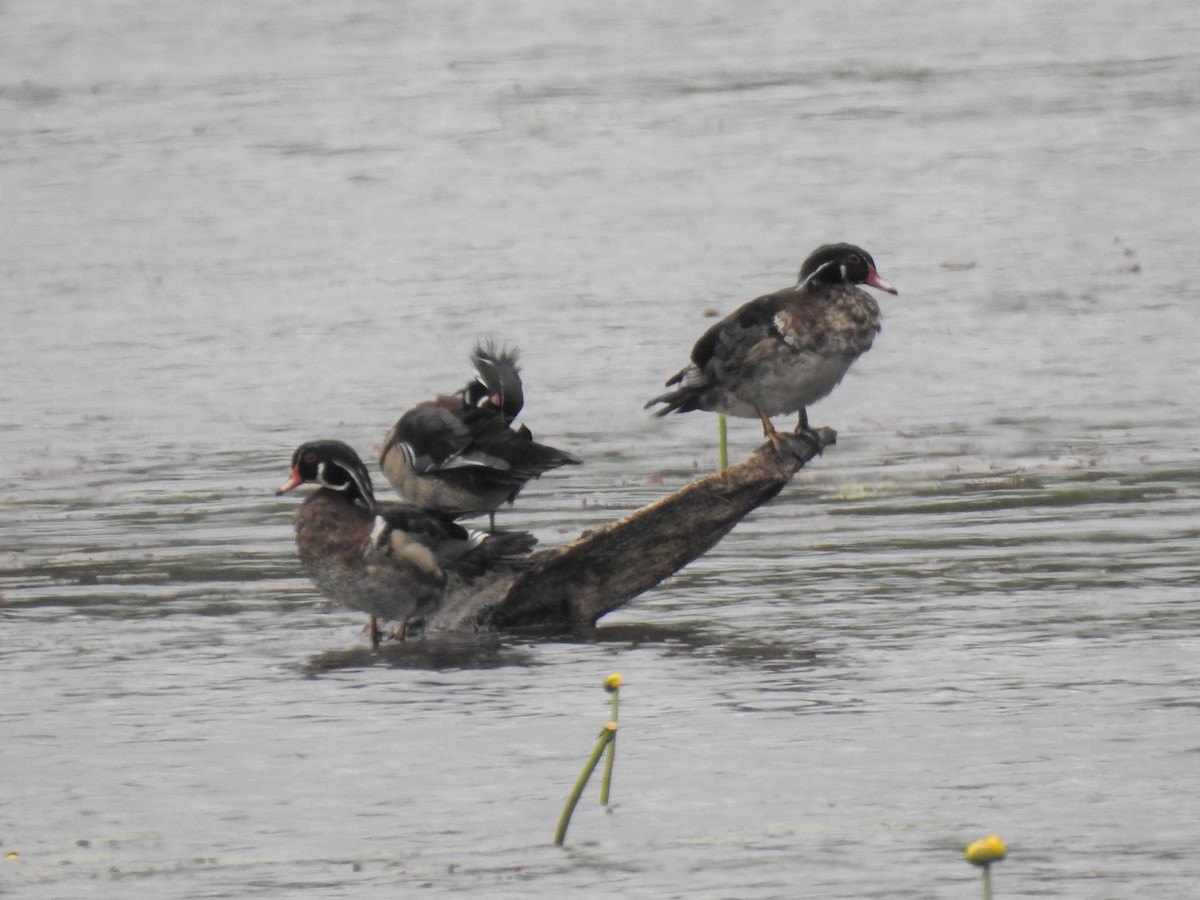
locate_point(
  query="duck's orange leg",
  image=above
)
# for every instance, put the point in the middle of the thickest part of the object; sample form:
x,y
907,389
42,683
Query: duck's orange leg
x,y
769,431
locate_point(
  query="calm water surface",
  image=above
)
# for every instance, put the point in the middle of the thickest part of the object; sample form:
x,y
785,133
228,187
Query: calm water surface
x,y
228,228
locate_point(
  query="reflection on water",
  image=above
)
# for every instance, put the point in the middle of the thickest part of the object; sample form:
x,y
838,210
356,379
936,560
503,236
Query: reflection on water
x,y
441,653
228,230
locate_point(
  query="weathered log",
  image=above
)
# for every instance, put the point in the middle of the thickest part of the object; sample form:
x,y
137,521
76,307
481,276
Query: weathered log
x,y
571,587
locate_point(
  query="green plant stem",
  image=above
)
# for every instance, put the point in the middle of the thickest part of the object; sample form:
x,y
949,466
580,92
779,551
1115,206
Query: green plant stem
x,y
987,882
612,751
606,737
722,443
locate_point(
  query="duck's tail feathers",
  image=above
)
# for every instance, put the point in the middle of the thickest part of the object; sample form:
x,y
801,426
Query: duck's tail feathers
x,y
535,458
687,387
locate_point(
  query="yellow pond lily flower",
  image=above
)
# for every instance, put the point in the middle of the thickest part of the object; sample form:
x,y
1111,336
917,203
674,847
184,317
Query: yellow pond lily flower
x,y
986,850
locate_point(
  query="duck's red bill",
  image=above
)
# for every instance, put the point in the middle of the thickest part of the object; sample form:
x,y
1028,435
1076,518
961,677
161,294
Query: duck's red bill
x,y
875,281
294,482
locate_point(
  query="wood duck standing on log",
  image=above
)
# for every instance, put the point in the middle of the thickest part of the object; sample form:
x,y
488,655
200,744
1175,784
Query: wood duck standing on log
x,y
783,351
459,454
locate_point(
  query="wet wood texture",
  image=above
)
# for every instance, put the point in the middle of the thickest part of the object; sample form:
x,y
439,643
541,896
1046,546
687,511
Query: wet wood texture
x,y
572,587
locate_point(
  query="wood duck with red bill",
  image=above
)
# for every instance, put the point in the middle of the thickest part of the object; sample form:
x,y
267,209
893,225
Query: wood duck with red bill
x,y
784,351
390,561
458,454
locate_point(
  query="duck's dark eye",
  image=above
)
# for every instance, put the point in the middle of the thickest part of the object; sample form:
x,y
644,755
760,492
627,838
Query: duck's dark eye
x,y
854,259
310,457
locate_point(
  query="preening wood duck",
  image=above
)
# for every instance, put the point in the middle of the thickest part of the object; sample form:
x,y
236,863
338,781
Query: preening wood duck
x,y
459,454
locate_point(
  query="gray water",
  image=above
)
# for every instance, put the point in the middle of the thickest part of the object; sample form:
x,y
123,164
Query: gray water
x,y
227,228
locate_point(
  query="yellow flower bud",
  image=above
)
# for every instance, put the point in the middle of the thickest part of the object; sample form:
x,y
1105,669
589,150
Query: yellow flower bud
x,y
986,850
612,682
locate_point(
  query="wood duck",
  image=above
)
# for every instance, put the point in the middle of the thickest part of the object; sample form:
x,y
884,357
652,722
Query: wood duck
x,y
391,561
783,351
458,454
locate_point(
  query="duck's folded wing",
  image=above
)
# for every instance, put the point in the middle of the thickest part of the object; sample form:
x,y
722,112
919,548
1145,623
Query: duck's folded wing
x,y
510,457
416,522
740,330
430,435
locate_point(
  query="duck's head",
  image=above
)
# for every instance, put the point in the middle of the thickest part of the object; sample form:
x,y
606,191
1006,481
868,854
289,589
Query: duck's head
x,y
497,385
333,465
832,264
